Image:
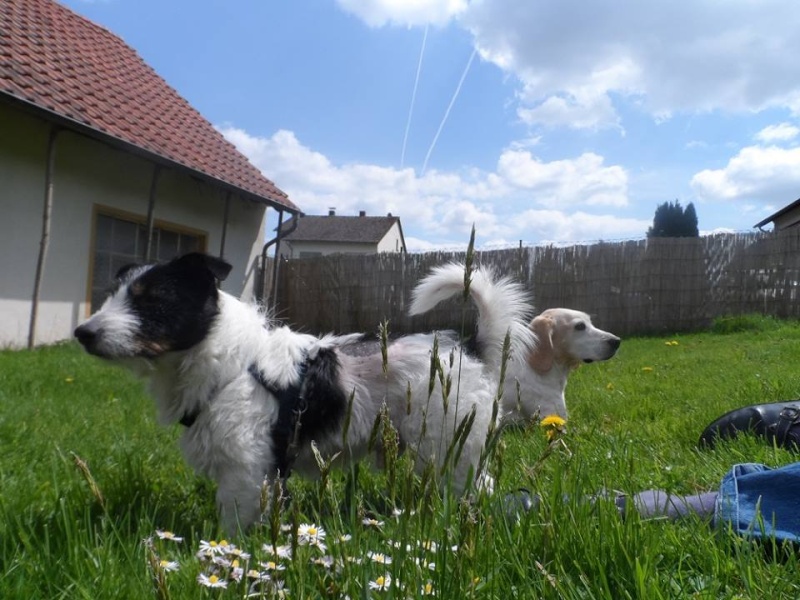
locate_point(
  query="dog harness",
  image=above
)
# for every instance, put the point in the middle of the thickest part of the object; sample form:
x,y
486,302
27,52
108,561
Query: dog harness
x,y
291,405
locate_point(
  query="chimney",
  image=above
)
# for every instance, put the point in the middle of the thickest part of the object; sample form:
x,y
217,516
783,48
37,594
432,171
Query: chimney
x,y
332,211
362,213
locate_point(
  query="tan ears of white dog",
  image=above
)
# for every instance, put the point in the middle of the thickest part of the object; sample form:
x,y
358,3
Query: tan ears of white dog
x,y
551,344
542,358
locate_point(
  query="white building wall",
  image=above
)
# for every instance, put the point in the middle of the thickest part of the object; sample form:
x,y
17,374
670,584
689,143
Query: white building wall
x,y
391,242
294,249
90,174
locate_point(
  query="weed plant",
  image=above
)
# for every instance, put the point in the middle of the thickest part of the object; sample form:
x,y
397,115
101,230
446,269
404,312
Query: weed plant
x,y
96,502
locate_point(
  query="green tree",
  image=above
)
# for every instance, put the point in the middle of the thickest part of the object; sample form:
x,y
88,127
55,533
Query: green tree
x,y
672,220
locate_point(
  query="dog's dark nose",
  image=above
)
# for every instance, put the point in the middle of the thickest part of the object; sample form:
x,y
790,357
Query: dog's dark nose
x,y
614,343
85,335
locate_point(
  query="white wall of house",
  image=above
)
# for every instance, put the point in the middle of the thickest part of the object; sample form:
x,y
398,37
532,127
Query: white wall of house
x,y
392,241
88,175
296,249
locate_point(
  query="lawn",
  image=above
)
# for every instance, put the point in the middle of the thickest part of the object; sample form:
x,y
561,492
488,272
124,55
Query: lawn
x,y
88,477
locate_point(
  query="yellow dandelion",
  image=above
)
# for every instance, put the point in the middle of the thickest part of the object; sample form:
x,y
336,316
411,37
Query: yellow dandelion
x,y
69,379
647,369
553,421
610,386
553,426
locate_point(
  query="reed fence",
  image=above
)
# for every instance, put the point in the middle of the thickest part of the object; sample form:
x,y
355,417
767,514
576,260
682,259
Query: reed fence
x,y
659,285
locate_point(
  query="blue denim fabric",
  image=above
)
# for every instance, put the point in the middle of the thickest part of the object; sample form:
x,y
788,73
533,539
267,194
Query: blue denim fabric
x,y
758,501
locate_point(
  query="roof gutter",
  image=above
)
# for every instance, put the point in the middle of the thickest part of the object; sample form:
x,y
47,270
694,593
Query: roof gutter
x,y
119,143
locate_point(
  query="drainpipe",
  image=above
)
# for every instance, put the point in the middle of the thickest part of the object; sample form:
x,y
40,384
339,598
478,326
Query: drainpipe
x,y
151,206
277,241
225,224
45,240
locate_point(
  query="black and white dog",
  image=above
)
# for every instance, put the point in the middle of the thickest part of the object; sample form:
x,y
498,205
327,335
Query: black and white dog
x,y
252,394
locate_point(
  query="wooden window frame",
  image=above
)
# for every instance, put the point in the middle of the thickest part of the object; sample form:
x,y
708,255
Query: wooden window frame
x,y
99,210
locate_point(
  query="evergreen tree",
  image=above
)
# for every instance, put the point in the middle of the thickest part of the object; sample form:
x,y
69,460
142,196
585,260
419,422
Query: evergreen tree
x,y
672,220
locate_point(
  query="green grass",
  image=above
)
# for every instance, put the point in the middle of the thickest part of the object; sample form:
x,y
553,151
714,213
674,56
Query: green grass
x,y
634,422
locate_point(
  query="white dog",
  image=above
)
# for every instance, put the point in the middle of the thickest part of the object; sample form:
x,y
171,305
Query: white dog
x,y
253,395
565,338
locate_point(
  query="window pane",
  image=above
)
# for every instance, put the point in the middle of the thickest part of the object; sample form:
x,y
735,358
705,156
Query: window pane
x,y
167,245
119,243
124,241
141,242
103,232
102,269
188,243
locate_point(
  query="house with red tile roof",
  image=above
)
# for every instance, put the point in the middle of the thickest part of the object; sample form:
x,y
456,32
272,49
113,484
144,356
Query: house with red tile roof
x,y
319,235
102,163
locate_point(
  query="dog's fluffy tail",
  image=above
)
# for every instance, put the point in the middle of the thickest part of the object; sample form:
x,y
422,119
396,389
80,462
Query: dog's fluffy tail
x,y
502,304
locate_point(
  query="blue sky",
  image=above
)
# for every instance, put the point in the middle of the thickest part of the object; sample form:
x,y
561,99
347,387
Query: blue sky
x,y
537,121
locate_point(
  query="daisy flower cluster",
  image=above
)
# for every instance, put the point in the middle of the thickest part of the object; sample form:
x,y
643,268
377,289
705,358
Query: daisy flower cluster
x,y
225,566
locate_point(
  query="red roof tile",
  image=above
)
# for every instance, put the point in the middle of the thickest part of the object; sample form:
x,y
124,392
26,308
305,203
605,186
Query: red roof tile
x,y
59,61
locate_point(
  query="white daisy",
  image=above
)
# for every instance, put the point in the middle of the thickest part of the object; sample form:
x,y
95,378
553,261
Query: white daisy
x,y
238,553
326,561
211,581
212,547
381,583
312,535
369,522
169,565
427,590
168,535
257,575
284,551
379,557
271,565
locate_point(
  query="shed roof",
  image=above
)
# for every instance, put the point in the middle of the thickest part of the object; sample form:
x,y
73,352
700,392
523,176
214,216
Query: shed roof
x,y
789,207
76,73
332,228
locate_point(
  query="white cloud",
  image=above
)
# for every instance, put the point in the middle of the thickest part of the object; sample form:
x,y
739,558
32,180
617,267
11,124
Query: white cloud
x,y
558,226
756,173
782,132
377,13
584,180
575,61
443,206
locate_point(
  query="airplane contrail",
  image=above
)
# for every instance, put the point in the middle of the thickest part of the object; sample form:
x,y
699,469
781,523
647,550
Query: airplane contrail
x,y
413,98
447,112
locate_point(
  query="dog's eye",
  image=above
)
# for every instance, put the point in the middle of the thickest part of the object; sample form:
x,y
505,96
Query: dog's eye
x,y
580,326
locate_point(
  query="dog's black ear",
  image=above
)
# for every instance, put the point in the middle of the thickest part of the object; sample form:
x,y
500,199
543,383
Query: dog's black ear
x,y
218,267
123,270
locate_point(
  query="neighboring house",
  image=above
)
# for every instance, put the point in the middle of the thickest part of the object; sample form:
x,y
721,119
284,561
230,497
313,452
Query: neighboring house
x,y
788,216
311,235
102,164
